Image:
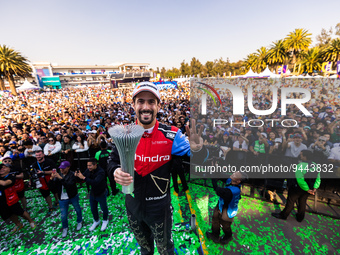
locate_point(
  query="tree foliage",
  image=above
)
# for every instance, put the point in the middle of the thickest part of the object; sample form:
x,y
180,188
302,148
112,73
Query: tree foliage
x,y
332,52
13,63
295,48
311,60
324,38
297,42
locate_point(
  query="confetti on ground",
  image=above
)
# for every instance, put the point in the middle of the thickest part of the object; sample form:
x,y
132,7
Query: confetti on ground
x,y
254,230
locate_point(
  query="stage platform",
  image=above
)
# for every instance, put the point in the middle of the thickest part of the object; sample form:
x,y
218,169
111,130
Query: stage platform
x,y
255,231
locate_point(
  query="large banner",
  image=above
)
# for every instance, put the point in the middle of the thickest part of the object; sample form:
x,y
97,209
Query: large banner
x,y
326,67
282,69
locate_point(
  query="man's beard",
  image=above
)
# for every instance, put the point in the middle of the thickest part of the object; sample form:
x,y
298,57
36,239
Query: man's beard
x,y
143,121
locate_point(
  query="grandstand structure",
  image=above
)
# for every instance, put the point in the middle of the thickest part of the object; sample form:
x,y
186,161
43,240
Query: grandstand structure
x,y
118,75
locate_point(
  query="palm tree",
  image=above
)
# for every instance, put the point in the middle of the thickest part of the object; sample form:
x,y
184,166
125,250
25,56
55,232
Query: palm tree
x,y
250,61
13,63
2,82
277,53
298,41
261,59
311,60
332,52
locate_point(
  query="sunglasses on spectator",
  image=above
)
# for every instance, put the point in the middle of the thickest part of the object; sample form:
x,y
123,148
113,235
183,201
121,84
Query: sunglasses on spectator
x,y
51,140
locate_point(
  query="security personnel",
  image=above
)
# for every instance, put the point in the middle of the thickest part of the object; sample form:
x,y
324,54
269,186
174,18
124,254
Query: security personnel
x,y
102,158
307,182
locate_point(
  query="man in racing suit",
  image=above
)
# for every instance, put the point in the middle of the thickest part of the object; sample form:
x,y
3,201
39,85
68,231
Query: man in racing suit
x,y
149,207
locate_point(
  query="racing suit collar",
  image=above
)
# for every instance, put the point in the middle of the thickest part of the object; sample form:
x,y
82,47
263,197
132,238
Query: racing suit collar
x,y
155,127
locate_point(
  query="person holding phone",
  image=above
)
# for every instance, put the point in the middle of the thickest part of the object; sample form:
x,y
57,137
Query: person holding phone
x,y
293,146
95,177
65,184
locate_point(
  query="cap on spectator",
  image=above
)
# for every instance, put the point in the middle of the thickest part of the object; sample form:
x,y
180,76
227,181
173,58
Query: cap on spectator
x,y
297,136
5,157
264,135
146,86
226,133
306,127
64,164
2,164
12,142
93,132
328,107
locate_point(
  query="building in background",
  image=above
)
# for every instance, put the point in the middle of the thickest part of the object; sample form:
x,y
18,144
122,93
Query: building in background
x,y
123,75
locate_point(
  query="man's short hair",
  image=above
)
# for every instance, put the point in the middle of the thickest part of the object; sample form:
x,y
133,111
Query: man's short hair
x,y
28,142
103,144
308,154
93,161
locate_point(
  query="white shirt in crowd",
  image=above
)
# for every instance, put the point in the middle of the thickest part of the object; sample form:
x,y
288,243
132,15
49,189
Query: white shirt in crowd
x,y
335,153
31,152
293,150
76,147
52,148
237,145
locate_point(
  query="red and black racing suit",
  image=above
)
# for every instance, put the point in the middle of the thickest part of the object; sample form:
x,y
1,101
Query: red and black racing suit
x,y
149,210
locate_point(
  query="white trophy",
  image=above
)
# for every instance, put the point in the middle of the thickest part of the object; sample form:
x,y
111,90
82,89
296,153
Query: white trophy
x,y
126,139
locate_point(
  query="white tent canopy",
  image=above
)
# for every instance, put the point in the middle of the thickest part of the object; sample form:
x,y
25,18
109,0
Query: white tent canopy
x,y
267,73
27,86
250,74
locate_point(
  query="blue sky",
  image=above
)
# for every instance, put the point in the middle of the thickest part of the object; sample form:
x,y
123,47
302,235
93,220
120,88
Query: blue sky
x,y
162,33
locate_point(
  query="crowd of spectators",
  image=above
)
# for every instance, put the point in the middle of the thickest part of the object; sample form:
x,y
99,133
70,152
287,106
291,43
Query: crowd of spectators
x,y
72,122
40,131
272,138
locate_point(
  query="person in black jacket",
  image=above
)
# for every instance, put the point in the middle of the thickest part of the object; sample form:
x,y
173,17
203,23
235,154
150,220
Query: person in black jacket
x,y
10,207
43,168
102,157
66,187
95,176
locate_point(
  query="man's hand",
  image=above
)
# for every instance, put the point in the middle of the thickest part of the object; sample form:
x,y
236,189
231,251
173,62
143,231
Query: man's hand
x,y
56,175
195,139
312,191
79,175
122,178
